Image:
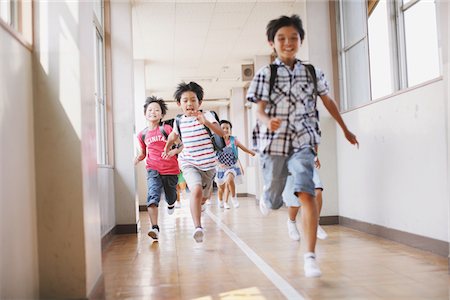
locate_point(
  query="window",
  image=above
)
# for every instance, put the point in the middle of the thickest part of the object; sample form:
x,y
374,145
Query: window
x,y
16,17
100,90
385,46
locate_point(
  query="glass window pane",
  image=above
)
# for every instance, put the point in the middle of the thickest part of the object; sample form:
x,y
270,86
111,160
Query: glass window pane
x,y
379,52
354,20
422,55
357,75
5,11
98,10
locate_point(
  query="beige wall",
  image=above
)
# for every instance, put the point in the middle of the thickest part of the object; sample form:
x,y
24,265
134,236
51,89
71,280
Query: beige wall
x,y
18,234
66,170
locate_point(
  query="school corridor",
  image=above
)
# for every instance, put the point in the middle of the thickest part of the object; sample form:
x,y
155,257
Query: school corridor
x,y
74,76
247,256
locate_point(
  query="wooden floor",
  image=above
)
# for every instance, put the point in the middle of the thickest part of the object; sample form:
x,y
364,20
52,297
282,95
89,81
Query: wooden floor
x,y
248,256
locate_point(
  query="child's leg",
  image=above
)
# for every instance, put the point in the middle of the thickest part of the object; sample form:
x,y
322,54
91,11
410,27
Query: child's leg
x,y
274,171
170,189
220,191
231,185
195,204
309,217
154,186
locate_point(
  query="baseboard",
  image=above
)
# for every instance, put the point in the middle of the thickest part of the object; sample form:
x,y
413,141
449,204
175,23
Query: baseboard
x,y
245,195
107,238
329,220
413,240
126,228
98,292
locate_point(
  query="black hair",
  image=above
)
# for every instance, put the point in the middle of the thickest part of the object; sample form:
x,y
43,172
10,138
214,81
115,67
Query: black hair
x,y
284,21
154,99
188,87
226,122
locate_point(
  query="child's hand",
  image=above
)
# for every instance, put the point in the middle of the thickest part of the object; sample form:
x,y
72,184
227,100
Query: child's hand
x,y
167,155
351,138
200,117
274,124
317,162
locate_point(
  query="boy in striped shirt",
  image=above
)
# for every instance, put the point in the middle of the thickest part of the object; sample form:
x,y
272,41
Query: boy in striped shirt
x,y
198,158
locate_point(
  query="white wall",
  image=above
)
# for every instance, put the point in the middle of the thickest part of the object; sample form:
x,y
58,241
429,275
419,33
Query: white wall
x,y
397,178
140,123
123,111
18,234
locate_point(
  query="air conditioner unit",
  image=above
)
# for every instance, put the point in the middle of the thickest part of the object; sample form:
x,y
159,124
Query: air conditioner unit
x,y
248,71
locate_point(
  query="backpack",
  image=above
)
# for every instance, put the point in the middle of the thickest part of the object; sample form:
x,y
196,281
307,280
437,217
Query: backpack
x,y
229,155
311,72
161,129
217,141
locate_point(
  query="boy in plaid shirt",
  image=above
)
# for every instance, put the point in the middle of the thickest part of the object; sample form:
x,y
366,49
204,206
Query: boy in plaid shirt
x,y
287,130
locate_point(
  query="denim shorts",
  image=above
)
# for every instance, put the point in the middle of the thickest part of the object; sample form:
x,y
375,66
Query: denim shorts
x,y
156,183
194,176
275,170
289,198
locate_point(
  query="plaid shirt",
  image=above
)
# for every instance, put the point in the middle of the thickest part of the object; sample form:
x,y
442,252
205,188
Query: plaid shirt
x,y
291,101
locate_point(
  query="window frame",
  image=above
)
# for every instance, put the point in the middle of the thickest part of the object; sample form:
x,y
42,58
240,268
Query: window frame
x,y
103,105
397,38
17,25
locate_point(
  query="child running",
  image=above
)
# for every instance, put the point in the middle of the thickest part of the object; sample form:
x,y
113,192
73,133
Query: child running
x,y
287,130
227,175
198,158
161,173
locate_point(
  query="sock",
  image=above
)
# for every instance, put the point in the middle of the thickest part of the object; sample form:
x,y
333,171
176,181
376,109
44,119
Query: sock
x,y
309,255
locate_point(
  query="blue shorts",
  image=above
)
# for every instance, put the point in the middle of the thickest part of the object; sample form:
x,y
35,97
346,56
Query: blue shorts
x,y
156,182
275,170
289,198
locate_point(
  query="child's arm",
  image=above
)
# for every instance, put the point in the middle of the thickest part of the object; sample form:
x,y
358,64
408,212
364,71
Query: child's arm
x,y
331,106
316,158
245,149
171,139
174,151
142,153
271,123
215,127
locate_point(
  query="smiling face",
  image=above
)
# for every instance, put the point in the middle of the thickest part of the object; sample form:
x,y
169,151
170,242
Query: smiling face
x,y
153,112
286,43
189,103
226,128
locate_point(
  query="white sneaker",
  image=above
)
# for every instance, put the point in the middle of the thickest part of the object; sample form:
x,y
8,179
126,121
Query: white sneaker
x,y
226,205
170,209
263,208
198,234
293,232
321,234
311,267
153,233
235,202
220,203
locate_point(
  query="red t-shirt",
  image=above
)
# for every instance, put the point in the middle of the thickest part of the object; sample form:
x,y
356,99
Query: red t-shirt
x,y
153,147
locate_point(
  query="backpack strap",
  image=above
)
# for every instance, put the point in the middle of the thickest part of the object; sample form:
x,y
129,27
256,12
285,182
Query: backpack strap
x,y
163,132
177,123
143,135
312,72
273,75
233,146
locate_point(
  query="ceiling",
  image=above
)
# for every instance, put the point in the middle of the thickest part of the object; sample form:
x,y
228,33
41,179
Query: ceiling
x,y
202,41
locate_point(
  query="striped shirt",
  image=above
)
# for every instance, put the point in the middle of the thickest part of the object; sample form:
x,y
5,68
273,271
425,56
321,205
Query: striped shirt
x,y
293,102
198,149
